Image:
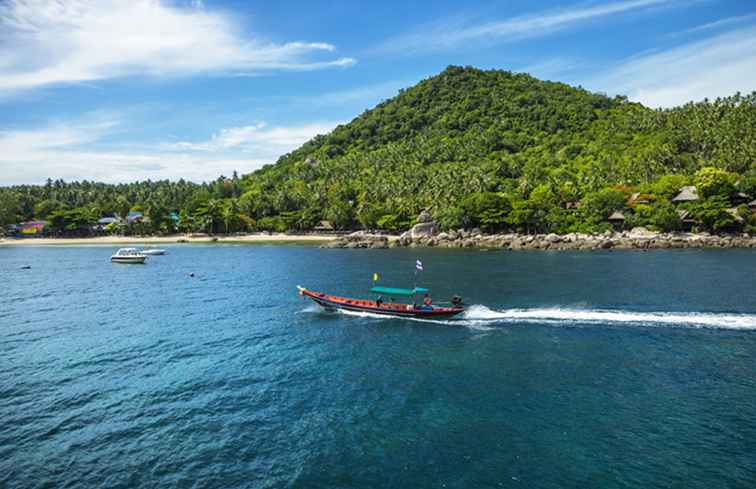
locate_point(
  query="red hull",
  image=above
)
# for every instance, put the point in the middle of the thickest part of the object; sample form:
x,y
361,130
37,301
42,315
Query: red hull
x,y
400,310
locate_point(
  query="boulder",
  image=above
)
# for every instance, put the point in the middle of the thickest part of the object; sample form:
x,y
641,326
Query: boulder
x,y
424,229
424,217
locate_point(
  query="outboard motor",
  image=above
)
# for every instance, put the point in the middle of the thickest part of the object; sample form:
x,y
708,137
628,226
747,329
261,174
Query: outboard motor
x,y
456,301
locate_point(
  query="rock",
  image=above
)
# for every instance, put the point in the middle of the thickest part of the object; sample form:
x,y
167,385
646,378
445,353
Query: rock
x,y
640,231
424,217
424,229
442,237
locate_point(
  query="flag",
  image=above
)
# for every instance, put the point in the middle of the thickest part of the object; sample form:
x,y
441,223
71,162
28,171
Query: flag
x,y
375,277
419,266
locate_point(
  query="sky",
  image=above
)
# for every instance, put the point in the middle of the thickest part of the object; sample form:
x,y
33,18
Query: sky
x,y
128,90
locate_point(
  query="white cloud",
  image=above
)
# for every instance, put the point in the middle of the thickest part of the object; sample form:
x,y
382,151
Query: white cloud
x,y
714,67
450,33
73,151
69,41
258,139
551,67
718,24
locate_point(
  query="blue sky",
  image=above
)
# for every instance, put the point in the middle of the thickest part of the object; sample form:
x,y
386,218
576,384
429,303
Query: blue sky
x,y
120,91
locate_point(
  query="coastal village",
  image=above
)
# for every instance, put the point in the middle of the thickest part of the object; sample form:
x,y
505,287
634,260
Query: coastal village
x,y
427,232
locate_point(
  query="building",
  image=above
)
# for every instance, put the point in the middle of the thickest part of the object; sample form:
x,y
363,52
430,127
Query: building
x,y
639,198
324,226
617,219
687,194
32,228
688,223
133,217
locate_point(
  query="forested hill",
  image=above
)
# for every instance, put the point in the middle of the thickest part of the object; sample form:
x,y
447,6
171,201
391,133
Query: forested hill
x,y
468,131
493,149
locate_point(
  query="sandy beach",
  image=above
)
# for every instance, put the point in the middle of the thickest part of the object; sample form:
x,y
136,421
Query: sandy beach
x,y
180,238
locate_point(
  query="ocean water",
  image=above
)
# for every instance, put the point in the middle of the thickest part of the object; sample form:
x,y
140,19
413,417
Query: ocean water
x,y
591,370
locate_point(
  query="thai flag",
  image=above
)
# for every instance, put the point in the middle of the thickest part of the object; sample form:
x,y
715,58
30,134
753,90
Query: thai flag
x,y
419,266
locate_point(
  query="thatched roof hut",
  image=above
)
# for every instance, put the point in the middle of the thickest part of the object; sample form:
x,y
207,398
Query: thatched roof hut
x,y
687,194
324,226
617,216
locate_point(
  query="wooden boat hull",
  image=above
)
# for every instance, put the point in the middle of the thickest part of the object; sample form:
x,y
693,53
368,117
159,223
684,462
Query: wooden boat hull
x,y
332,302
128,259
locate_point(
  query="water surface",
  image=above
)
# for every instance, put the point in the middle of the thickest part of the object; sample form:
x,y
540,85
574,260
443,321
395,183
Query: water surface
x,y
603,369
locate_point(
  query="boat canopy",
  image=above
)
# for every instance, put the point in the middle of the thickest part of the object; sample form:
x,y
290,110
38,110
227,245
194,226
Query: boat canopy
x,y
392,291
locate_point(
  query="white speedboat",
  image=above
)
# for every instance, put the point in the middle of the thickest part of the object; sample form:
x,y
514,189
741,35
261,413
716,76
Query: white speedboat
x,y
153,251
128,255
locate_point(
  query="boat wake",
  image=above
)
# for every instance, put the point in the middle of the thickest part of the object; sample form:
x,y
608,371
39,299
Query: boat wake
x,y
480,317
567,316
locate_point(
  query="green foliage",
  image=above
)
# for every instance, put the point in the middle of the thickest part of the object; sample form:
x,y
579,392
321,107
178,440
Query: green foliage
x,y
668,186
481,148
713,216
711,182
664,217
601,204
451,217
488,210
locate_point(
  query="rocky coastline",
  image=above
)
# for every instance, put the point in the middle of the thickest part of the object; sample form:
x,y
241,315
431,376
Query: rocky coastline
x,y
637,239
427,233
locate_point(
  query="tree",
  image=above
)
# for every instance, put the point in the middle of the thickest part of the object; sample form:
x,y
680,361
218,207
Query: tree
x,y
600,205
10,208
711,182
486,209
712,214
665,218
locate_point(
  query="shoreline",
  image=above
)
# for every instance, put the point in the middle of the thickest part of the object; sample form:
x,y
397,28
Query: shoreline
x,y
644,240
637,239
173,239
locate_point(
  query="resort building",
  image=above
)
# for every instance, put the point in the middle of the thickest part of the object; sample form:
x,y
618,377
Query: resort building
x,y
324,226
617,219
688,223
32,228
687,194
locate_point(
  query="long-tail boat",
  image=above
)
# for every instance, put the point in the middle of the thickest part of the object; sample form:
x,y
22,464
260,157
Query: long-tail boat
x,y
379,306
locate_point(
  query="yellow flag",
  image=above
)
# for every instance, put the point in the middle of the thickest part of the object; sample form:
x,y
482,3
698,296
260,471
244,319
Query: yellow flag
x,y
375,277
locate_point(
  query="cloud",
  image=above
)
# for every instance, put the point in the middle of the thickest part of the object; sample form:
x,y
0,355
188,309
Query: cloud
x,y
71,41
718,24
78,150
450,33
713,67
258,139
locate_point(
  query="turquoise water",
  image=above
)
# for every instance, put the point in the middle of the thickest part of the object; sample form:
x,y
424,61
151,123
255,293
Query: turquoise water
x,y
605,370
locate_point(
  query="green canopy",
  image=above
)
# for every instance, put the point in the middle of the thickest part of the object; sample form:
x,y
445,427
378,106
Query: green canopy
x,y
391,291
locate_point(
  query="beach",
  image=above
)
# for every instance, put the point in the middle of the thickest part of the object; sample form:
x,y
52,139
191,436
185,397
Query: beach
x,y
178,238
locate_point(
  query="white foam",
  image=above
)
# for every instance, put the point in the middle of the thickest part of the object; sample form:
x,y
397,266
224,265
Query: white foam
x,y
588,316
480,317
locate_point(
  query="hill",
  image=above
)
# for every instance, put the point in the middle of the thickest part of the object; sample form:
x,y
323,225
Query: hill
x,y
467,131
493,149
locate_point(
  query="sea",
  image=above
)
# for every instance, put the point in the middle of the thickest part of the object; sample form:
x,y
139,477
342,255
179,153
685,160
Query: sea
x,y
205,369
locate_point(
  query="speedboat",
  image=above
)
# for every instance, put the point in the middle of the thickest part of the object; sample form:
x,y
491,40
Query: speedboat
x,y
378,306
128,255
153,251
